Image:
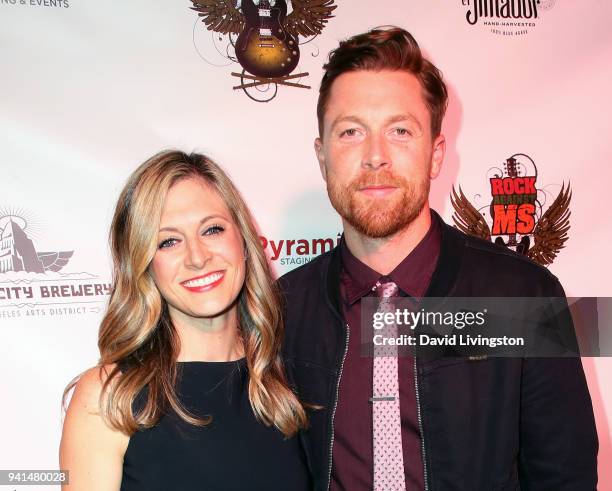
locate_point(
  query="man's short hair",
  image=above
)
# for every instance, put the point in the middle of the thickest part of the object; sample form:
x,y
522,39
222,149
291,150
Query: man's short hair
x,y
385,48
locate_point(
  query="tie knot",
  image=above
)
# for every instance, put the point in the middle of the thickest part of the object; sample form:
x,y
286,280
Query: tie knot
x,y
386,289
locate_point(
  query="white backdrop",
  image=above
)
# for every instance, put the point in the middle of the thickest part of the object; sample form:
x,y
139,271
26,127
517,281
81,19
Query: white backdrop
x,y
91,89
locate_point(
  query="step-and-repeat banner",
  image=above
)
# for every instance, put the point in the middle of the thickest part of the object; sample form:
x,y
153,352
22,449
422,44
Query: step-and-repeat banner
x,y
91,89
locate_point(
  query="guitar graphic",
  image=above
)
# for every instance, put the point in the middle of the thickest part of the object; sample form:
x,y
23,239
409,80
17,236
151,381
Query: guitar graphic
x,y
264,48
523,246
267,46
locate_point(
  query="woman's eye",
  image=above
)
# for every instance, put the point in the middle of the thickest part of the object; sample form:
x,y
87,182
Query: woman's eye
x,y
164,244
213,230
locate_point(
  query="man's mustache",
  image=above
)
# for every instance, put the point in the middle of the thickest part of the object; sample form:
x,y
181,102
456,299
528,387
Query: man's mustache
x,y
378,179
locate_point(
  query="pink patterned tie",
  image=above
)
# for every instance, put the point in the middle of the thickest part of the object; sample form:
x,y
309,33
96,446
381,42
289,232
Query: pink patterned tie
x,y
387,426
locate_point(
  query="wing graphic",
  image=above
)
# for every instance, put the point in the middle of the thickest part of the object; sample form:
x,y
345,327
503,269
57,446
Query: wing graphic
x,y
54,261
219,15
467,218
309,17
550,233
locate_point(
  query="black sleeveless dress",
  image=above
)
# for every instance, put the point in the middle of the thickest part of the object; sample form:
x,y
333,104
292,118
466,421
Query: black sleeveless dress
x,y
234,452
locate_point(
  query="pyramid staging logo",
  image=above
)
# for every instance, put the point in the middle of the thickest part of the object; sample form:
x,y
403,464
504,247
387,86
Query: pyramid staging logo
x,y
506,17
32,282
295,252
517,211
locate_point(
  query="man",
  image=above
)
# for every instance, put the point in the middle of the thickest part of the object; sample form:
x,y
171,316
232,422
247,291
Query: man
x,y
443,423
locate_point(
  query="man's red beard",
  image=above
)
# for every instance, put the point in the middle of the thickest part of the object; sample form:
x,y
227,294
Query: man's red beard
x,y
379,217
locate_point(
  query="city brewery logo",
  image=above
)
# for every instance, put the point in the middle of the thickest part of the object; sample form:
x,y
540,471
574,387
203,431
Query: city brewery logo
x,y
506,17
516,212
295,252
32,282
263,38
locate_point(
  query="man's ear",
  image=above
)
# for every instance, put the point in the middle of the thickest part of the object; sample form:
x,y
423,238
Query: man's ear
x,y
318,146
437,156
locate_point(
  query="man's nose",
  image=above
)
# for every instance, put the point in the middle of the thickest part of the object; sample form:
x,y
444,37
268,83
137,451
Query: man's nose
x,y
376,154
197,254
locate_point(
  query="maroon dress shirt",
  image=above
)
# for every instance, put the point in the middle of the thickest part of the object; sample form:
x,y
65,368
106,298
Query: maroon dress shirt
x,y
352,468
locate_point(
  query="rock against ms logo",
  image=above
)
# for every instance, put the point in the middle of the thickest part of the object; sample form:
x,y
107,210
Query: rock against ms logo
x,y
264,38
517,212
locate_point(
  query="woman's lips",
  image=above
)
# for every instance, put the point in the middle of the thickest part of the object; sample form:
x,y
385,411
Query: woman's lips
x,y
378,191
205,282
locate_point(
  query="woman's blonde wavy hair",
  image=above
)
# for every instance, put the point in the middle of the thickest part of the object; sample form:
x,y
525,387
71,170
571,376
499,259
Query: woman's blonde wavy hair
x,y
137,336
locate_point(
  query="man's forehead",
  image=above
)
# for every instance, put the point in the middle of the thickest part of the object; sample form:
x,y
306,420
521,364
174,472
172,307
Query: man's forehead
x,y
383,93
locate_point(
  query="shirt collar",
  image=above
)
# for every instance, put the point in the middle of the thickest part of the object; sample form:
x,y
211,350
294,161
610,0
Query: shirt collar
x,y
412,275
359,277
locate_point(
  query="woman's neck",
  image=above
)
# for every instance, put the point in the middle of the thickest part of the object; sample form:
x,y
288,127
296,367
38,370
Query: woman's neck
x,y
209,339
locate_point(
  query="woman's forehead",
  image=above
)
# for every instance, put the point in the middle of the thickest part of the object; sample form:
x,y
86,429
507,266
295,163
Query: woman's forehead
x,y
193,198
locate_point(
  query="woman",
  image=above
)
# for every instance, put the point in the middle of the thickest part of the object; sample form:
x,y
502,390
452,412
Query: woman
x,y
189,392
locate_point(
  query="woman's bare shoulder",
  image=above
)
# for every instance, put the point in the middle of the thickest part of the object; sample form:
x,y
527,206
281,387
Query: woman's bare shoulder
x,y
89,386
91,449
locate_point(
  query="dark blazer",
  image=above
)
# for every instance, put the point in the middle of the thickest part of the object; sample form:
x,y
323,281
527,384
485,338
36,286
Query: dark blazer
x,y
487,424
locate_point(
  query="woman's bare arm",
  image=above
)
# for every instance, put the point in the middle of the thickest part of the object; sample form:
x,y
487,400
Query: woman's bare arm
x,y
90,450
